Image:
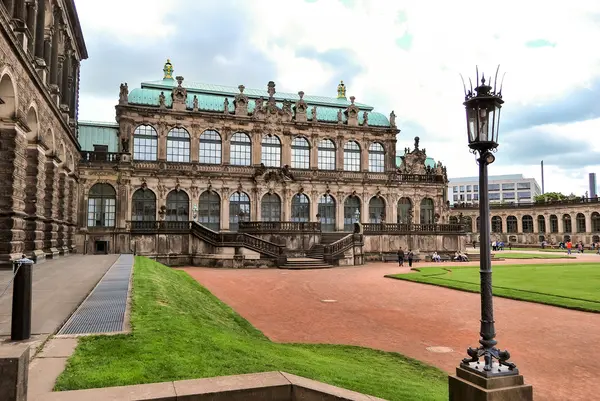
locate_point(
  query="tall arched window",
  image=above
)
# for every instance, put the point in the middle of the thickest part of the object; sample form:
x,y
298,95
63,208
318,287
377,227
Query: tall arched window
x,y
239,209
567,226
580,220
468,223
178,145
143,205
453,220
351,212
595,222
300,208
351,156
541,224
527,222
326,155
209,210
404,206
178,206
300,153
376,210
145,143
511,224
478,223
241,150
210,147
553,223
102,201
376,158
327,212
427,211
270,208
271,151
496,224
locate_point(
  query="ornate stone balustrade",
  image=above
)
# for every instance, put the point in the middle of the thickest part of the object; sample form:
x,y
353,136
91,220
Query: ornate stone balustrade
x,y
261,227
401,228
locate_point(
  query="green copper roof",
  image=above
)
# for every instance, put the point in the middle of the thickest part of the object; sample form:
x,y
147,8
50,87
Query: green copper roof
x,y
98,133
212,97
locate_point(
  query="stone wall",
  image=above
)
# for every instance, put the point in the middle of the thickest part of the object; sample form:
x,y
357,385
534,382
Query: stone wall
x,y
422,244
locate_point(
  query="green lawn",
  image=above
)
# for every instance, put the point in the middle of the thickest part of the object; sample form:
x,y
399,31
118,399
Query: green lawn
x,y
523,255
573,285
181,331
549,250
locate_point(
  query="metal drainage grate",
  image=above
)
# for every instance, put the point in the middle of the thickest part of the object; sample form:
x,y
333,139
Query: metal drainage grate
x,y
104,310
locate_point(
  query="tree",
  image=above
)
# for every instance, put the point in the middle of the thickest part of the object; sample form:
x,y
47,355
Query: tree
x,y
550,196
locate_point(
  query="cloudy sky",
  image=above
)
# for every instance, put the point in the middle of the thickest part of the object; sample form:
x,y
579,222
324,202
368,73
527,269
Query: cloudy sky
x,y
404,56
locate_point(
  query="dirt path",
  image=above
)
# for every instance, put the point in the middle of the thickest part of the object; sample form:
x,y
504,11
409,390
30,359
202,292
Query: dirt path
x,y
556,349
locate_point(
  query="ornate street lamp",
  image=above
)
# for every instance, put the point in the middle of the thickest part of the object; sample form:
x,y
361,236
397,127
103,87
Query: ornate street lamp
x,y
483,121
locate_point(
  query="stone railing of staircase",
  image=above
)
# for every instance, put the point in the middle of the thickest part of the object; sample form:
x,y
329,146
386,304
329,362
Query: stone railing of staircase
x,y
217,239
336,250
260,227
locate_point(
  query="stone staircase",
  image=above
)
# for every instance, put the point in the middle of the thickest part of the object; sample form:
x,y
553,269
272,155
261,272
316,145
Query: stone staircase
x,y
305,263
315,252
329,237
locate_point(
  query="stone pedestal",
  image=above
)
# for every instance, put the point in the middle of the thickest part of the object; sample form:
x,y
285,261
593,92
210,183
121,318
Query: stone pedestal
x,y
14,370
471,386
39,256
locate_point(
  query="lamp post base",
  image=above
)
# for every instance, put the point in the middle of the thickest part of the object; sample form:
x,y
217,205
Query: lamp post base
x,y
472,386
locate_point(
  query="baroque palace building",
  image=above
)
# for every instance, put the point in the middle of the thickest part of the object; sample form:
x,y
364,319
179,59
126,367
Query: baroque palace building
x,y
41,47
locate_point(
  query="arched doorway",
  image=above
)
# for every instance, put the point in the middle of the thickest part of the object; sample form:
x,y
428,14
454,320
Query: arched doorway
x,y
102,206
178,206
209,210
300,208
8,105
404,207
270,208
326,212
376,210
143,205
239,209
351,212
427,211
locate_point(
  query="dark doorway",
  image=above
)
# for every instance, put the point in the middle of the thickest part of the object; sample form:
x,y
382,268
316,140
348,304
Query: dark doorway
x,y
101,247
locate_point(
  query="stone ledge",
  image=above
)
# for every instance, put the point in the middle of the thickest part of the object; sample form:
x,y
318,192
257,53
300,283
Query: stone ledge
x,y
271,386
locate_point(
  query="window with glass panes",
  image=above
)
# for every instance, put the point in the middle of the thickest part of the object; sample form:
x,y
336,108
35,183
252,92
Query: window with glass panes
x,y
270,208
210,147
376,210
300,153
102,201
209,210
527,222
511,224
145,143
376,158
239,209
351,156
240,153
553,223
178,206
541,224
271,151
300,208
143,205
326,155
178,145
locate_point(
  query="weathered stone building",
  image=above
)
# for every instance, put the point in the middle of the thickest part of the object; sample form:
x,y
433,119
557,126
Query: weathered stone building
x,y
41,47
290,169
531,223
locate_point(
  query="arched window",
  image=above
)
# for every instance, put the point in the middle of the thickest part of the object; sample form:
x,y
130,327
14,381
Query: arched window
x,y
351,156
580,220
241,150
143,205
300,153
595,222
210,147
209,210
376,158
300,208
427,211
270,208
468,223
178,145
541,224
567,227
527,222
239,209
478,223
326,155
351,212
404,206
102,201
178,206
376,210
496,224
511,224
145,143
326,212
271,151
453,220
553,223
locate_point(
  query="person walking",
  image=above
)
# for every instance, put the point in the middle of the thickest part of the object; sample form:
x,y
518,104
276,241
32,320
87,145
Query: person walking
x,y
410,257
569,247
400,257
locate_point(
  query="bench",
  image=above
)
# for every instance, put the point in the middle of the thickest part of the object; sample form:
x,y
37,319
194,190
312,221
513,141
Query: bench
x,y
393,257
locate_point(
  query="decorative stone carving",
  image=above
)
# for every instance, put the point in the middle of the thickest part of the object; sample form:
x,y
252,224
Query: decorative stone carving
x,y
413,162
268,174
195,103
241,102
123,94
352,113
339,117
226,106
393,119
365,118
124,145
161,100
300,108
314,114
179,95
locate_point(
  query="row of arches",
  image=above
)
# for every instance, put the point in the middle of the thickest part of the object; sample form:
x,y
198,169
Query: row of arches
x,y
145,147
527,223
102,201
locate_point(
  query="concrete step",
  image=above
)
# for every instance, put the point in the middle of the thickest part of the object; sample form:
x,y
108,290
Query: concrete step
x,y
305,263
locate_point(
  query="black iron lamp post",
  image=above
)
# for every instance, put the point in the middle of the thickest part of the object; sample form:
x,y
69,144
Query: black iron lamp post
x,y
483,106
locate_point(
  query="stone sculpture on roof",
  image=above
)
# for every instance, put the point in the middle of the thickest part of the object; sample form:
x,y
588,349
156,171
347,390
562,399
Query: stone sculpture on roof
x,y
179,95
123,94
300,108
241,102
352,113
393,119
226,106
341,90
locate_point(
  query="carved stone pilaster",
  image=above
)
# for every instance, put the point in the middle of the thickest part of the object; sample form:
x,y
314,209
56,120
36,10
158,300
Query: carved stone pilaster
x,y
34,201
51,205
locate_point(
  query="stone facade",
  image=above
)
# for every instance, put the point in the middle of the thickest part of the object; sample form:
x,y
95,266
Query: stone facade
x,y
41,46
577,220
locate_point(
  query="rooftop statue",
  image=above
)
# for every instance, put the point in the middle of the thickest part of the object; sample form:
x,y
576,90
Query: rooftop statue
x,y
341,90
168,70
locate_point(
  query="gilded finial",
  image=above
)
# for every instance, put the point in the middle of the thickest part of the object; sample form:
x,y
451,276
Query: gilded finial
x,y
341,90
168,70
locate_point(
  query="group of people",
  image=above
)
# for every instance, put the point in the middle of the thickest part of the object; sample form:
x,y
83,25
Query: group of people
x,y
435,257
409,256
499,246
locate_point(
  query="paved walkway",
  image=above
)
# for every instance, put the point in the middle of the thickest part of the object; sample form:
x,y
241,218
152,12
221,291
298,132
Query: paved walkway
x,y
555,348
59,286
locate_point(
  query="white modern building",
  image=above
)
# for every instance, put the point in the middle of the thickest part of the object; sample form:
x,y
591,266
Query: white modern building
x,y
501,188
